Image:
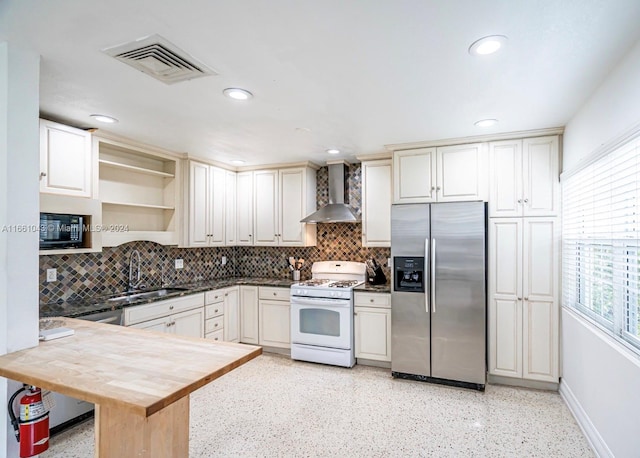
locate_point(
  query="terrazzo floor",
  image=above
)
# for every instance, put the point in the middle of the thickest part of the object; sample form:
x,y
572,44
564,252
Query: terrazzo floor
x,y
275,407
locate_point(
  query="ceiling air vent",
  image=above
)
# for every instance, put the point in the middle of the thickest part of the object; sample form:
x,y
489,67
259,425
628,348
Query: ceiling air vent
x,y
159,58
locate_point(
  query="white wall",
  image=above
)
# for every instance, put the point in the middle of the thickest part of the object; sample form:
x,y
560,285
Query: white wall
x,y
601,379
19,205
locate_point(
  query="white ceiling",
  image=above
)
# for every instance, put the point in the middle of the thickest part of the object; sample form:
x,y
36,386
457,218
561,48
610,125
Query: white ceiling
x,y
355,75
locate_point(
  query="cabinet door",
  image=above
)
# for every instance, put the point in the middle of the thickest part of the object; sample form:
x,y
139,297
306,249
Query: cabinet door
x,y
65,160
376,203
540,290
292,207
198,204
231,315
244,208
249,314
540,176
230,209
414,175
373,333
505,183
266,207
275,328
505,297
160,325
461,173
216,214
189,323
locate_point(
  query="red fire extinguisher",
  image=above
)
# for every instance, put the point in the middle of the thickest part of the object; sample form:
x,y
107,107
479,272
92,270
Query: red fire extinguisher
x,y
32,428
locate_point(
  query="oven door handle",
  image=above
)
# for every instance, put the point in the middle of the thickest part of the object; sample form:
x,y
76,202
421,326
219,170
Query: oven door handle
x,y
334,303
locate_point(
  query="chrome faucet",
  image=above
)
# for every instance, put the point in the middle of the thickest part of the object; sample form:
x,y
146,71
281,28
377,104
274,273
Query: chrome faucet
x,y
135,285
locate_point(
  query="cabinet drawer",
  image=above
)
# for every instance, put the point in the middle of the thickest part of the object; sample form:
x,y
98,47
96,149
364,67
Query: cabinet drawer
x,y
214,324
214,310
215,296
139,313
274,294
216,335
373,300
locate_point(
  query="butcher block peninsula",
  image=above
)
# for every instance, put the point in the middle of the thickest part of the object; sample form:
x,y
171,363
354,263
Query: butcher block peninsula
x,y
140,381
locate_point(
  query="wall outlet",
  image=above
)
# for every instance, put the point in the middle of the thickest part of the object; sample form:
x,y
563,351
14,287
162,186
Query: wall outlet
x,y
179,263
52,275
224,260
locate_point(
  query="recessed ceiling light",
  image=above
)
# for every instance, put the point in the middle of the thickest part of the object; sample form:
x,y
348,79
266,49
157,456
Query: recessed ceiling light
x,y
333,151
237,93
486,122
487,45
237,162
103,118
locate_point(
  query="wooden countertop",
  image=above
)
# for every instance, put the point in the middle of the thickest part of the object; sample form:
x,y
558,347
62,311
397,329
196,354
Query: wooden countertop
x,y
123,367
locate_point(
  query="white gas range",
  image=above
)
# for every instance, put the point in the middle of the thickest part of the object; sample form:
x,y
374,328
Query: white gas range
x,y
322,313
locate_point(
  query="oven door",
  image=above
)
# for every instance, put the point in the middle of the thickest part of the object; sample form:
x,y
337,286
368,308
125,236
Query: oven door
x,y
321,322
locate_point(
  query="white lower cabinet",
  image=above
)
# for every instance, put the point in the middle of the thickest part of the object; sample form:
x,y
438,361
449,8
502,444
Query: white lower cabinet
x,y
231,315
214,314
372,326
523,298
182,316
249,315
274,317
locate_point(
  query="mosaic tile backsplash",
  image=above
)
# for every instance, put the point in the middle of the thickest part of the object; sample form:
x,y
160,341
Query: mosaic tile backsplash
x,y
92,274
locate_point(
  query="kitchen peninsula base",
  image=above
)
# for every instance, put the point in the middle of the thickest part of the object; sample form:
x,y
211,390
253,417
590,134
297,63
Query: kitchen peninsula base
x,y
140,381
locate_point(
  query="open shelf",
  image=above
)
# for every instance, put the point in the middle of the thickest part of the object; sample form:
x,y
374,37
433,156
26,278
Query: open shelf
x,y
134,204
139,190
132,168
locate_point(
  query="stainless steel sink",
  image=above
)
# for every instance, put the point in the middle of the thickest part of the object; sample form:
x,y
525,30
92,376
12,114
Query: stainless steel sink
x,y
134,296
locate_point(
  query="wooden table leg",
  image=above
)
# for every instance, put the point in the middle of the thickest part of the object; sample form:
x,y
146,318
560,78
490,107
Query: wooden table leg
x,y
119,433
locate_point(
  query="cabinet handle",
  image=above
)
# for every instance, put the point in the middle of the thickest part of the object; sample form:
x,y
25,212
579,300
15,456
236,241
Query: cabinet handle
x,y
433,188
355,313
215,338
216,311
226,294
43,174
519,201
171,307
526,298
168,324
275,294
371,300
526,201
437,188
519,298
215,325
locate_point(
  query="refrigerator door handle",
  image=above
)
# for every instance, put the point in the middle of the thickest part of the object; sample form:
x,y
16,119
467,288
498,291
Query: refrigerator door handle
x,y
433,274
426,257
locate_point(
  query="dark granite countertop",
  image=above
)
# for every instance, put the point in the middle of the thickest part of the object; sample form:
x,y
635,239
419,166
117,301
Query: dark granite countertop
x,y
366,287
79,307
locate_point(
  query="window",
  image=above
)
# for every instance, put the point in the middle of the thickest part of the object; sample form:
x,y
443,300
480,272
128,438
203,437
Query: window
x,y
600,241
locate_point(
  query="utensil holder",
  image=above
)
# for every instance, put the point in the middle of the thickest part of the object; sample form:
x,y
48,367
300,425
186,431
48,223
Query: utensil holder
x,y
296,275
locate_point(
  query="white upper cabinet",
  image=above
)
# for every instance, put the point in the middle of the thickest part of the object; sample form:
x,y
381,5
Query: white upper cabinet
x,y
461,173
206,205
376,203
414,176
244,208
65,160
230,231
442,174
524,177
281,199
266,207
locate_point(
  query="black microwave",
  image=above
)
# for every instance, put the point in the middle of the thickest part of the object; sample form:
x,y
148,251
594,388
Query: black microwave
x,y
60,231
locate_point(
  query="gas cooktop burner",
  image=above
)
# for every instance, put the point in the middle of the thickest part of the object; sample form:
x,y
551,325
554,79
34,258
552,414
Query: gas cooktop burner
x,y
343,283
314,282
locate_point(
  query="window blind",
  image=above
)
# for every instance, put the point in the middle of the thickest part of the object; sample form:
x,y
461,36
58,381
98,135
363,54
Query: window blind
x,y
600,241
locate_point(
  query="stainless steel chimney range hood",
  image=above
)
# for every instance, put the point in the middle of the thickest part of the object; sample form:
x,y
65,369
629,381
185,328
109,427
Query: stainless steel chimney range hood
x,y
338,210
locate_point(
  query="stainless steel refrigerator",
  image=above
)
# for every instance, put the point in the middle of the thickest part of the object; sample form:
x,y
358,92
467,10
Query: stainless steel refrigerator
x,y
438,296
